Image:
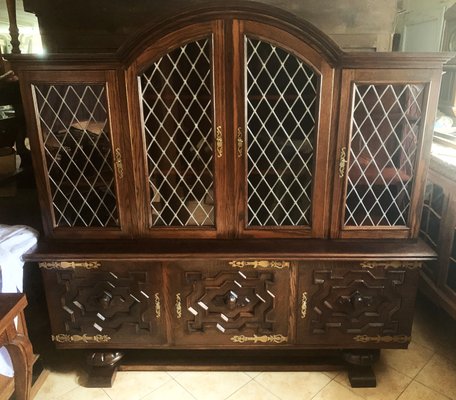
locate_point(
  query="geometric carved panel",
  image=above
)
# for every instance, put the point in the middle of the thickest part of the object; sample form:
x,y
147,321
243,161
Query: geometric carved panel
x,y
231,301
106,303
351,302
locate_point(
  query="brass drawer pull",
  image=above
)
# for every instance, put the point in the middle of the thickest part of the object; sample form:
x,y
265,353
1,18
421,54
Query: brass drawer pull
x,y
157,306
304,305
260,264
259,339
69,264
178,306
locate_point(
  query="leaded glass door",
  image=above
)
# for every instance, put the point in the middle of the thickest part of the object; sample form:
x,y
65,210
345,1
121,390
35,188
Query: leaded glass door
x,y
281,137
83,159
183,133
382,136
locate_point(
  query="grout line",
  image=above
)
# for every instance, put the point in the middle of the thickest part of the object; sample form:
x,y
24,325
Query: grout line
x,y
434,390
237,390
163,384
330,380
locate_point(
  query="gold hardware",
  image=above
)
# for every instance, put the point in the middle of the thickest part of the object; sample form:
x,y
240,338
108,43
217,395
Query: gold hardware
x,y
240,143
178,305
342,161
157,306
70,264
391,264
119,164
383,339
63,338
259,339
219,142
260,264
304,305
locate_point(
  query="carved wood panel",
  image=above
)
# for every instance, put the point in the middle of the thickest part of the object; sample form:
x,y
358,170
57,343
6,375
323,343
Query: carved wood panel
x,y
348,304
215,302
114,303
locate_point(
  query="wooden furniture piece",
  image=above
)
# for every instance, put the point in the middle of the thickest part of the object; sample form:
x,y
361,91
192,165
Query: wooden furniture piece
x,y
15,338
231,188
438,228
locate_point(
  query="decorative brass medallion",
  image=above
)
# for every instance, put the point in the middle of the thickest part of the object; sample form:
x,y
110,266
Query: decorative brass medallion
x,y
219,142
63,338
70,264
342,161
304,305
157,306
178,305
383,339
259,339
391,264
260,264
240,143
119,164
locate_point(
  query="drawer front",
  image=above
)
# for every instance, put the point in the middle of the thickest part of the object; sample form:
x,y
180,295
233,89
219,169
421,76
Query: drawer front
x,y
355,304
93,304
230,303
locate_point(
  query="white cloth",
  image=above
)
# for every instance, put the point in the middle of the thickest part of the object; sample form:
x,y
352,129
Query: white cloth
x,y
14,242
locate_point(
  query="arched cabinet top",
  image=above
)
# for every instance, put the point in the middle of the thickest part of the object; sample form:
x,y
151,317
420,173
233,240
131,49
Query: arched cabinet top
x,y
197,18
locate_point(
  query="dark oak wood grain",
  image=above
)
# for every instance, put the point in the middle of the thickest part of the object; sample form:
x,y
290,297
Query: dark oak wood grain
x,y
233,294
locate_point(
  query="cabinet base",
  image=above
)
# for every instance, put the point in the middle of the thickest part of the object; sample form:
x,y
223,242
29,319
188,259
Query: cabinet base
x,y
231,360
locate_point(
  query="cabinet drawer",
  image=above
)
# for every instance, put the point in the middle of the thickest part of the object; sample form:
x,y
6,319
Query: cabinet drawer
x,y
230,303
104,304
351,303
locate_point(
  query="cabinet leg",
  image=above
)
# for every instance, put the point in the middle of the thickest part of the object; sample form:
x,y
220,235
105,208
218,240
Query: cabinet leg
x,y
102,368
360,373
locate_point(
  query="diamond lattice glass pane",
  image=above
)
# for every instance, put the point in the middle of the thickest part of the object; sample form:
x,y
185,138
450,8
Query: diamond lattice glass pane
x,y
177,111
386,124
282,99
77,146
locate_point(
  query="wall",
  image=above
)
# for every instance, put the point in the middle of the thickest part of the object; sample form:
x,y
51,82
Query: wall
x,y
102,25
420,24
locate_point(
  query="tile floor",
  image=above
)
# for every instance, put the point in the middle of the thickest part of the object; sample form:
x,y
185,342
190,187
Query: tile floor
x,y
426,371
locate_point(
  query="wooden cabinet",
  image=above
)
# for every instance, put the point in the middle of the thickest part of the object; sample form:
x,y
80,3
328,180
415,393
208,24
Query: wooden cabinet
x,y
438,229
223,169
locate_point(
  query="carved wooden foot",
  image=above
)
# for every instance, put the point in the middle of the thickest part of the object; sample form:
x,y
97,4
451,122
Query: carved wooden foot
x,y
102,368
360,373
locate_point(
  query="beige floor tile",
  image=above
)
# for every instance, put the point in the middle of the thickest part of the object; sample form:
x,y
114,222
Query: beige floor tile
x,y
82,393
134,385
169,391
253,391
440,375
390,383
417,391
57,384
410,361
253,374
288,385
212,385
335,391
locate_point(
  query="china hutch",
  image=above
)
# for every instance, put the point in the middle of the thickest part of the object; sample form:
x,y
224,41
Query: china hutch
x,y
230,190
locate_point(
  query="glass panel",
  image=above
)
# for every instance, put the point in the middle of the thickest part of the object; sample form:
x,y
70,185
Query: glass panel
x,y
432,210
386,124
451,276
77,146
282,100
177,110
